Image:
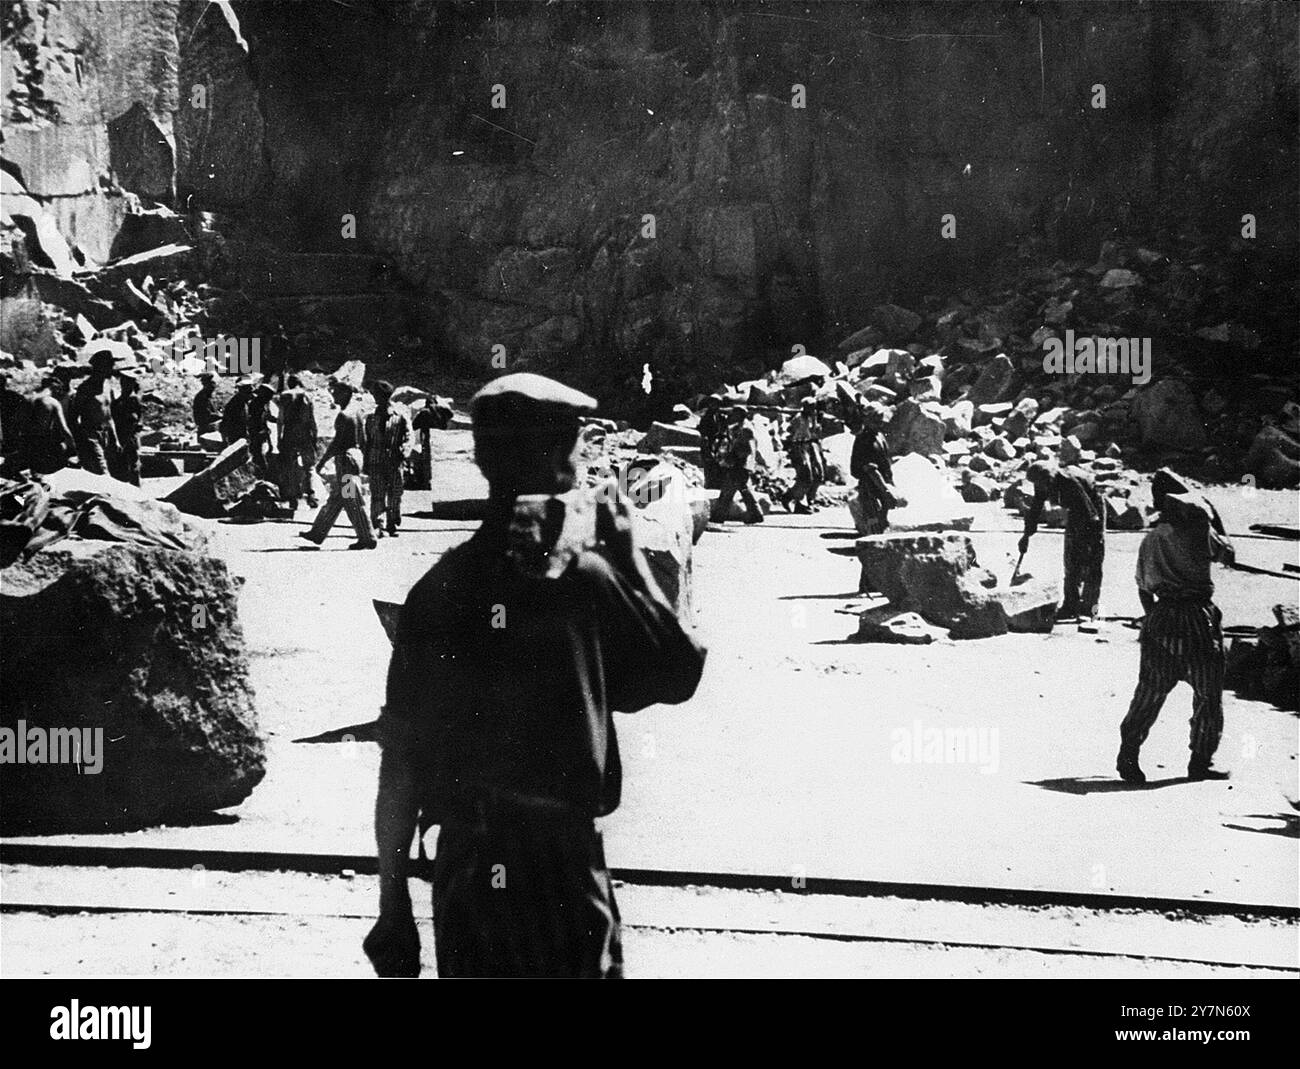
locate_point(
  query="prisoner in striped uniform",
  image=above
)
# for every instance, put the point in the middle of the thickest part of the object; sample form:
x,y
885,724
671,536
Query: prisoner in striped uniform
x,y
1182,634
387,432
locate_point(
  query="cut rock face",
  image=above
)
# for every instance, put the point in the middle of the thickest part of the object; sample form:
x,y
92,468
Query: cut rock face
x,y
141,649
939,577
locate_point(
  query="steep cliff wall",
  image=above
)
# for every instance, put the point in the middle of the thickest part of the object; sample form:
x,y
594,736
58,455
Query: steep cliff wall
x,y
525,226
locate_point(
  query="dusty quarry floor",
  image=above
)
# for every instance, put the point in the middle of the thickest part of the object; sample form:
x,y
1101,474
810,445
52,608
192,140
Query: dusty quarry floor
x,y
792,761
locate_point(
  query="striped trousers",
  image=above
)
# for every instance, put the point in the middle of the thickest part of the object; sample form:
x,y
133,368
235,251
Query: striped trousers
x,y
1181,641
524,898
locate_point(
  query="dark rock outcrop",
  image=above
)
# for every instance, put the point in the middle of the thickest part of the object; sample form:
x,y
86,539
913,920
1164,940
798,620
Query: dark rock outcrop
x,y
145,646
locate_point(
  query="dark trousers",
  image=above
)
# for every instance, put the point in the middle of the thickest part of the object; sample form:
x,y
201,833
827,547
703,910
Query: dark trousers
x,y
736,481
524,898
1181,641
298,460
99,453
1085,552
386,498
809,471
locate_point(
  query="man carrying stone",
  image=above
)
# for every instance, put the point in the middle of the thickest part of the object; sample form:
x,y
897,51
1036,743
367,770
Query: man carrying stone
x,y
1182,634
497,724
387,432
92,415
347,450
738,464
297,442
1072,489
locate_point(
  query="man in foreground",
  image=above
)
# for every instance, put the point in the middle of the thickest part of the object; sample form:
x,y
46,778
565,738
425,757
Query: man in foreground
x,y
509,657
1182,634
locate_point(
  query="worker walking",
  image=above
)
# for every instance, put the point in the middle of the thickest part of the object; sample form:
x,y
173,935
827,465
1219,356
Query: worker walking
x,y
497,722
388,431
347,450
804,445
738,459
1182,633
873,468
1072,489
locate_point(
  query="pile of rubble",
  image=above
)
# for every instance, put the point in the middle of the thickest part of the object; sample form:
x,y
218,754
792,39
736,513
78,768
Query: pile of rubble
x,y
970,382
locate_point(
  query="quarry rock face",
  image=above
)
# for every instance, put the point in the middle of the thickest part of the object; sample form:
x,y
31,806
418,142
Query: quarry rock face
x,y
144,645
938,577
525,225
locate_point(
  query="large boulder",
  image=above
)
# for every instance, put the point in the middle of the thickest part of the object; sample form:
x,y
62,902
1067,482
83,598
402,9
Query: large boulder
x,y
932,504
664,525
917,427
939,577
143,649
212,492
664,434
994,383
898,324
1274,459
1167,415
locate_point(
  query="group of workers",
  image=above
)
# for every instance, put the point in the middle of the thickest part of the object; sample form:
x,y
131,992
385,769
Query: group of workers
x,y
503,735
99,422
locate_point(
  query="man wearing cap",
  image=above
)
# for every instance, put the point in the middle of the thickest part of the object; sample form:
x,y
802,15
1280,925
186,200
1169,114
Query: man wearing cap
x,y
1072,489
497,722
234,417
204,406
347,450
92,415
128,415
297,442
738,463
1182,634
805,454
387,432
